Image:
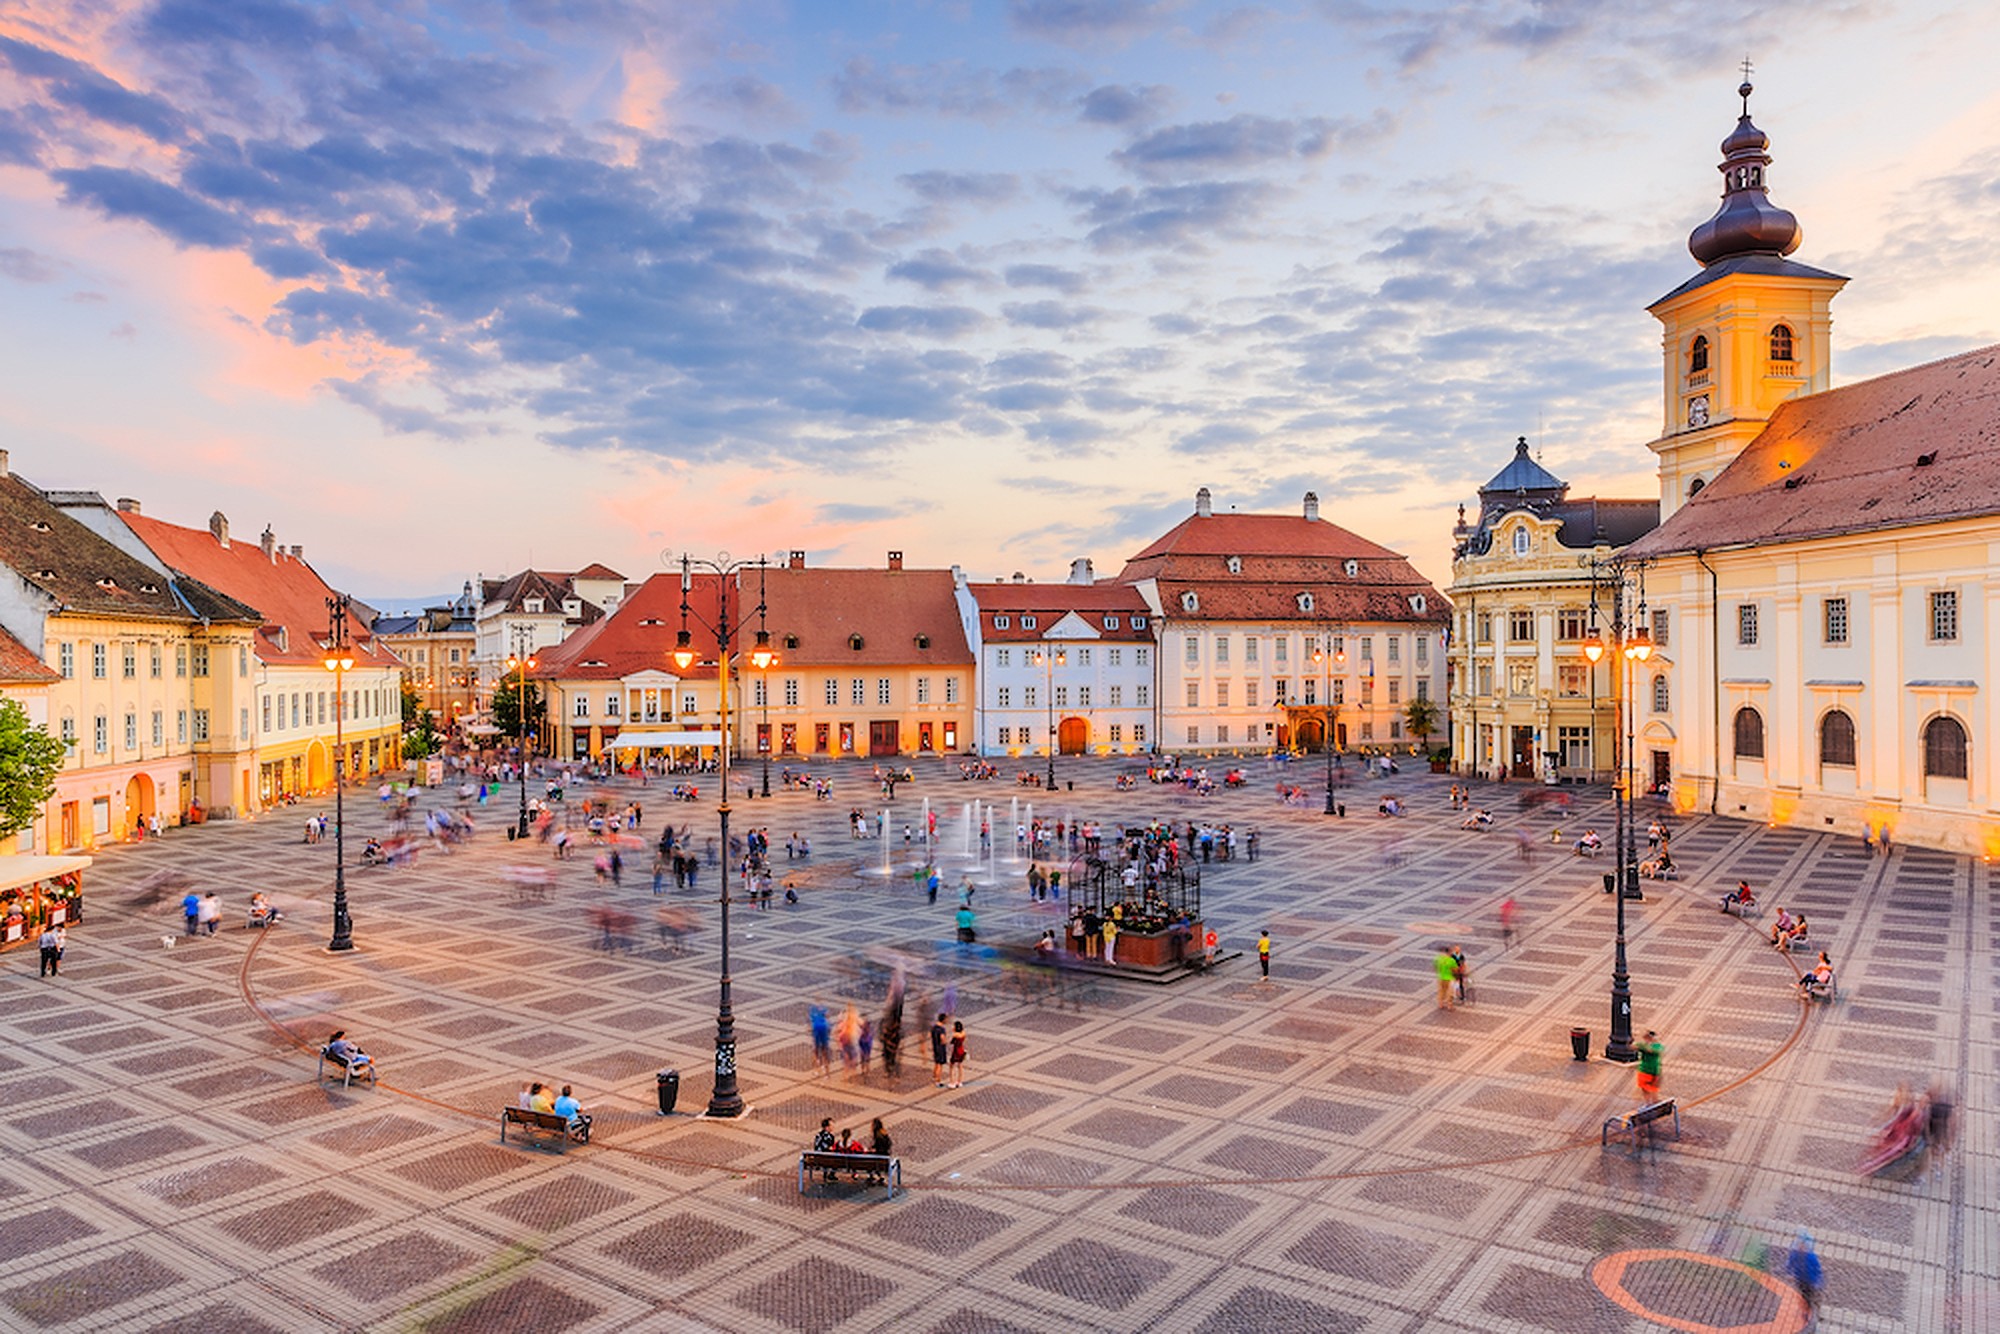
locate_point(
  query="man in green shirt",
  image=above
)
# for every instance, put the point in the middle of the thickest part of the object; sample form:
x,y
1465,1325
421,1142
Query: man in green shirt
x,y
1651,1053
1447,971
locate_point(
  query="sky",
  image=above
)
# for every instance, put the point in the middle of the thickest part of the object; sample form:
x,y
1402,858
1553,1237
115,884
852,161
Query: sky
x,y
443,288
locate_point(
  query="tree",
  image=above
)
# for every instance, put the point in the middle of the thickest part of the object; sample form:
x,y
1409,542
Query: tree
x,y
1421,716
507,711
422,740
29,759
413,704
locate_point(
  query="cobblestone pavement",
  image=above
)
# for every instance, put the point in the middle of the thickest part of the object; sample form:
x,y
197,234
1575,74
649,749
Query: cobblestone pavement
x,y
1326,1151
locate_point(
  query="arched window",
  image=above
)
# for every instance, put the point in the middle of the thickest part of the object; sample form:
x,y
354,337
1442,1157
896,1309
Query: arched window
x,y
1521,541
1749,734
1698,354
1694,488
1836,739
1781,342
1944,747
1663,696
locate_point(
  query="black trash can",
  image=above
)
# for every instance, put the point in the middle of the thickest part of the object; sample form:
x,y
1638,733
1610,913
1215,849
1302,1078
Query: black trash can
x,y
1579,1045
1610,882
670,1091
1342,808
510,833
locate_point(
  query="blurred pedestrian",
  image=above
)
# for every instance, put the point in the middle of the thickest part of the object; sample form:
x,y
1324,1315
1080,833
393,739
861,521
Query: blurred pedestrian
x,y
1264,952
1652,1056
1804,1267
1508,908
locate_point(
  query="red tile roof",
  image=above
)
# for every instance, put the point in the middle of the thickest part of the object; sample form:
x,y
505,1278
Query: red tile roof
x,y
1916,446
287,593
641,634
73,566
595,570
1260,535
889,609
1049,603
20,667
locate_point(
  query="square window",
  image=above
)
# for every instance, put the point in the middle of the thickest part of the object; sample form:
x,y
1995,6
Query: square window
x,y
1282,647
1117,657
1222,694
1062,697
1144,694
1194,735
1661,622
1395,691
1028,622
1139,733
1222,735
1521,627
1117,697
1249,648
1395,648
1083,697
791,692
1141,656
1194,694
1249,694
1222,648
1028,696
128,661
1117,733
923,690
1003,657
1006,736
1006,698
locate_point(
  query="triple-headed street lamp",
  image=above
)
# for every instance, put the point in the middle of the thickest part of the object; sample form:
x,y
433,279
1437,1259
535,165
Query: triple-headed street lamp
x,y
726,1101
519,662
339,660
1634,643
1051,658
1327,656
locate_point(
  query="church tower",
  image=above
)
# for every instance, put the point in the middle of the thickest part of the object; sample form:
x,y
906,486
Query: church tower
x,y
1749,331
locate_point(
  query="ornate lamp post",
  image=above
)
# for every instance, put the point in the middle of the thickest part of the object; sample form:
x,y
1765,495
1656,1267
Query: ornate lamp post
x,y
1327,657
1634,643
726,1100
519,662
764,682
1049,658
339,660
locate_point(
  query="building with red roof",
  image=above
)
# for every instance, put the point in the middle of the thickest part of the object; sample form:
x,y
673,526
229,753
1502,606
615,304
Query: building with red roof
x,y
1068,664
1273,628
298,712
532,611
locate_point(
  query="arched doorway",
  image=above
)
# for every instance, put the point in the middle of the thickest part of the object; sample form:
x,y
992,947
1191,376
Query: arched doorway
x,y
1073,736
139,800
1312,735
319,767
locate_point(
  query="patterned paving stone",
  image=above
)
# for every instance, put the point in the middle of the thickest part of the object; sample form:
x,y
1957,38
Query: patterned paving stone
x,y
1004,1101
1827,1211
219,1318
1139,1038
558,1204
965,1320
393,1267
1260,1311
365,1134
1133,1129
1601,1231
1033,1165
81,1291
1261,1156
455,1169
1441,1195
1553,1302
24,1235
816,1295
212,1181
1081,1069
1379,1258
525,1306
299,1219
941,1225
1340,1118
1195,1091
73,1119
1197,1211
143,1147
1096,1274
680,1245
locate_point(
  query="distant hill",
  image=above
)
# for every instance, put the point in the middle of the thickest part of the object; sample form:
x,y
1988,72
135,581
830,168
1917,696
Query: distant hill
x,y
406,604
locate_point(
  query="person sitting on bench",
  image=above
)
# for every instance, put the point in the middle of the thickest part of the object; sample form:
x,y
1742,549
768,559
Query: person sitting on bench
x,y
1820,980
261,911
1659,868
1796,934
1479,820
1782,926
1589,843
357,1061
1741,897
579,1120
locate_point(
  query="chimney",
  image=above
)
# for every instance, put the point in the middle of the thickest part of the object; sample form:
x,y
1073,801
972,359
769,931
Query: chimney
x,y
268,542
1312,507
3,463
218,526
895,560
1203,507
127,505
795,560
1020,578
298,552
1079,571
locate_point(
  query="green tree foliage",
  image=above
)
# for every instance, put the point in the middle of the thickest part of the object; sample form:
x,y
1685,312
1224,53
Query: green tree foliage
x,y
413,705
507,708
1421,717
29,759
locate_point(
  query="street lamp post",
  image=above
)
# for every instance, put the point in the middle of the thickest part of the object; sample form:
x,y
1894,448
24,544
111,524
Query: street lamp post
x,y
726,1100
339,660
1050,657
1634,643
519,663
764,685
1327,657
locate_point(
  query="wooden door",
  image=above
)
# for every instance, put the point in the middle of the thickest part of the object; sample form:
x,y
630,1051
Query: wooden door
x,y
885,737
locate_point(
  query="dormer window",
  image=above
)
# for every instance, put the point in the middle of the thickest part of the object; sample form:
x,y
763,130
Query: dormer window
x,y
40,525
855,642
149,588
1521,541
1698,355
1111,622
572,607
1235,564
1781,342
1001,622
1305,601
1417,603
791,641
923,641
1351,568
533,606
1190,601
1028,622
107,583
1138,622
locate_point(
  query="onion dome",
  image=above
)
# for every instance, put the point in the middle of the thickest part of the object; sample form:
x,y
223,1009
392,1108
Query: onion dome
x,y
1748,223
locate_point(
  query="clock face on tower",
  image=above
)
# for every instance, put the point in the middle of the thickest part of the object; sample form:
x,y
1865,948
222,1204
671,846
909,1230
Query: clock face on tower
x,y
1698,410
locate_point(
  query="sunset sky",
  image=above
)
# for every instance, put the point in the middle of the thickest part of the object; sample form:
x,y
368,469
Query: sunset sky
x,y
437,288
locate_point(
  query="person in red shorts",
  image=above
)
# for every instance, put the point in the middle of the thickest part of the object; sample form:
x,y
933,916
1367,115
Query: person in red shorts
x,y
1651,1053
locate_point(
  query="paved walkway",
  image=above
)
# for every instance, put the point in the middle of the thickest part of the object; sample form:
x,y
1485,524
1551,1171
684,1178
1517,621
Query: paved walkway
x,y
1327,1151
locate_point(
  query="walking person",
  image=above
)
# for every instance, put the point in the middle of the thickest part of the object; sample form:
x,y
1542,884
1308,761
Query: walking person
x,y
939,1054
209,912
1110,932
1459,976
1937,1127
1264,952
191,908
51,947
957,1064
1804,1267
1508,909
1652,1055
1446,968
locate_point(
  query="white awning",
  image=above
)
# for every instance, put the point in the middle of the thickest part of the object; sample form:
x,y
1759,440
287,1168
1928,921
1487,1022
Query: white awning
x,y
480,729
659,740
26,870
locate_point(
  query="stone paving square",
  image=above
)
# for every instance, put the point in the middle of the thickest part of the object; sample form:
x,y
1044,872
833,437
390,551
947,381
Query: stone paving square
x,y
1326,1150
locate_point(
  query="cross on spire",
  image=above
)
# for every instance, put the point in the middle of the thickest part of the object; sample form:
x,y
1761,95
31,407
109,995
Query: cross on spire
x,y
1746,69
1743,90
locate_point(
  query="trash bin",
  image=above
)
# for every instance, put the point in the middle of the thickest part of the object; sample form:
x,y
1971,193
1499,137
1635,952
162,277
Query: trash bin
x,y
1610,882
1342,808
1579,1045
510,833
670,1091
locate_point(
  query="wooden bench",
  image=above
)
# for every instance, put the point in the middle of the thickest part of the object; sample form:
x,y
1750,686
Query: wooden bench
x,y
1633,1122
544,1124
261,917
346,1072
882,1167
1814,990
